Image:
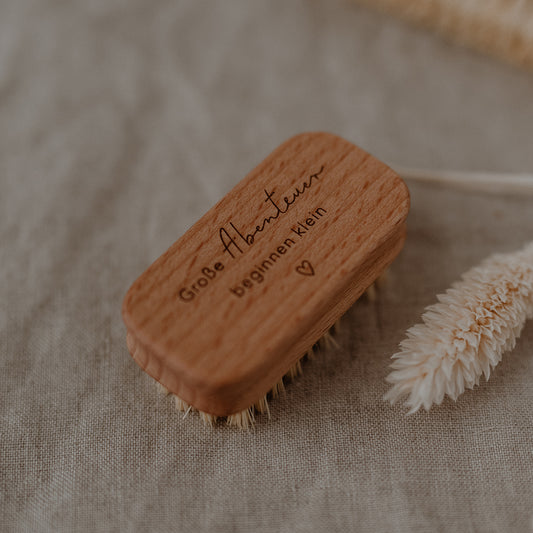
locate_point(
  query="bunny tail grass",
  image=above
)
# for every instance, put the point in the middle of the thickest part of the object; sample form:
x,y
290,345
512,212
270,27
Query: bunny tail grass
x,y
465,334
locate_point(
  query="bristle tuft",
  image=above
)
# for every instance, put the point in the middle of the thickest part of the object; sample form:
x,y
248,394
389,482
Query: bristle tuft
x,y
327,341
278,388
295,370
261,406
243,420
246,419
371,292
207,418
181,405
162,389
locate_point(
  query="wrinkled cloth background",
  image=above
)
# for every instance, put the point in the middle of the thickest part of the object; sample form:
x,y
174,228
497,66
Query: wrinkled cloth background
x,y
121,123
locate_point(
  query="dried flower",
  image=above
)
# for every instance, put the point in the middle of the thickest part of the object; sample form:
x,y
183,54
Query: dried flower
x,y
465,334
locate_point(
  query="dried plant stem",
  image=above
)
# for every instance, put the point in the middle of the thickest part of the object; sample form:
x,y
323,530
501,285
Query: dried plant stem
x,y
490,182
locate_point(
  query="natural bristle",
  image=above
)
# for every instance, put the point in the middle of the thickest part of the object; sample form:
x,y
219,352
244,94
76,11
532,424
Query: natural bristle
x,y
180,404
371,292
208,418
278,388
162,389
295,370
261,406
245,419
328,341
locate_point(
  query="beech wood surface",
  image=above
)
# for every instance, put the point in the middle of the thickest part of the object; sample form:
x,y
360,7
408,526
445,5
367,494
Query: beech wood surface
x,y
318,220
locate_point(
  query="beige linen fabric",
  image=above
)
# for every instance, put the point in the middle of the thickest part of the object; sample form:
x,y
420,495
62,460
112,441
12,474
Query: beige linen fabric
x,y
123,122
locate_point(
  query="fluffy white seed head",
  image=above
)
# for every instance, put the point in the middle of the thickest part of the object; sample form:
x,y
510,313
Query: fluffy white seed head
x,y
464,335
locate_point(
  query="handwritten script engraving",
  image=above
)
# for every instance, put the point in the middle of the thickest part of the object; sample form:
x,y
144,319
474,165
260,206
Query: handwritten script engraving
x,y
233,240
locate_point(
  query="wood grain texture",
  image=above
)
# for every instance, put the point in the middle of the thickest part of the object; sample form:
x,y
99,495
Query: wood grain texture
x,y
224,313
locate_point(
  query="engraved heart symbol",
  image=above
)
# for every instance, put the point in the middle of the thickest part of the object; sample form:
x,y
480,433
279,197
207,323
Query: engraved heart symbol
x,y
305,268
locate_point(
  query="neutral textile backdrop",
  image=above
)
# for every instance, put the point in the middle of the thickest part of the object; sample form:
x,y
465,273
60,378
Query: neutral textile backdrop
x,y
121,123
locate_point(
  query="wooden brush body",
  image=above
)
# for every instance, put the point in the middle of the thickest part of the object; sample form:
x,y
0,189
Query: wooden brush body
x,y
241,296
